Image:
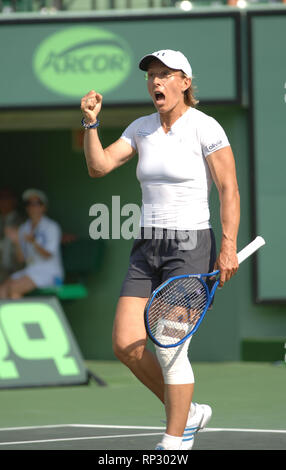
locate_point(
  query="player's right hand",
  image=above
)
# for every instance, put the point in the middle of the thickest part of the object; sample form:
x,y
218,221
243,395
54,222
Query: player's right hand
x,y
91,106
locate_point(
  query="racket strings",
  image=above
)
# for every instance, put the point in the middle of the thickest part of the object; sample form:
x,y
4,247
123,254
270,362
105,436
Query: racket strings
x,y
176,309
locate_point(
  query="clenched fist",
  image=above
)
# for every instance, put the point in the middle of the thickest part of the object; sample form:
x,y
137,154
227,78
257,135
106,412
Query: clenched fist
x,y
91,106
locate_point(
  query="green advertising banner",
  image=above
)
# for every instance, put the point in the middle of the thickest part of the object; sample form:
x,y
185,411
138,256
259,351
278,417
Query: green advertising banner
x,y
54,62
268,103
37,347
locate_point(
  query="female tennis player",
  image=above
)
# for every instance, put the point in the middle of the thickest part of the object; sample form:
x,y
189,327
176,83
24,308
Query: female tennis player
x,y
180,152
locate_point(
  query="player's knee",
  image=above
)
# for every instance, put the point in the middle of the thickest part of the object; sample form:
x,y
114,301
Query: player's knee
x,y
118,351
175,364
128,353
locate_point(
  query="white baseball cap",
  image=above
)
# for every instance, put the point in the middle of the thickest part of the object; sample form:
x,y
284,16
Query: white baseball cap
x,y
173,59
35,193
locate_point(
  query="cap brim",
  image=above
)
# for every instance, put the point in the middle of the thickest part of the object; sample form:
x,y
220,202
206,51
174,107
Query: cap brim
x,y
145,61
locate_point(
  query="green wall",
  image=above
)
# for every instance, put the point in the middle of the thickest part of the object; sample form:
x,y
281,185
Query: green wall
x,y
46,159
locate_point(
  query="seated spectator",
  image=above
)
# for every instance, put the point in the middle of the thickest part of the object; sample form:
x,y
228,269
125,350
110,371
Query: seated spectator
x,y
37,244
9,217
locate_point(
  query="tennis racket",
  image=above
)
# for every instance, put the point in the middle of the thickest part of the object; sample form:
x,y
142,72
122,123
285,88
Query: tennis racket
x,y
177,307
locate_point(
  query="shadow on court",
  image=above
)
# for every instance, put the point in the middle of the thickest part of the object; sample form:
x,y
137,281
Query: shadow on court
x,y
78,437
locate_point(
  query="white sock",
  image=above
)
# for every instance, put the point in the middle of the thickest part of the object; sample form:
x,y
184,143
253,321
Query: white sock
x,y
171,442
191,412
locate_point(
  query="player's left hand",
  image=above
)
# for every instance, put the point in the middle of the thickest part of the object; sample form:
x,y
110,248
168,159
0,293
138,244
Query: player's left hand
x,y
227,263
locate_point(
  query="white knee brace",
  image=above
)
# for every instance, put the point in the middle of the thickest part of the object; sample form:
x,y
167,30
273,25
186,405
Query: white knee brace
x,y
175,364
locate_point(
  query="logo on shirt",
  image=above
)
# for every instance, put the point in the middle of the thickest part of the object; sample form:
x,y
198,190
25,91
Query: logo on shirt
x,y
77,59
212,147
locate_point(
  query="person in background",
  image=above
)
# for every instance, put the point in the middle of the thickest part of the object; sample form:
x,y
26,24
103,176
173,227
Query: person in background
x,y
37,245
9,217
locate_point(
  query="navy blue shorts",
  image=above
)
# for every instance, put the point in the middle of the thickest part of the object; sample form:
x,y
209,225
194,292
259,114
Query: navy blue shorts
x,y
158,254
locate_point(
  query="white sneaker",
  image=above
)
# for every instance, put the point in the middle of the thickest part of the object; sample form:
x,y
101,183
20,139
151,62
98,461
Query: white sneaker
x,y
160,447
169,443
199,420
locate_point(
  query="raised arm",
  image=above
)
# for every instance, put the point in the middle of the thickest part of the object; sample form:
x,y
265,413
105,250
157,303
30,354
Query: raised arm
x,y
222,167
101,161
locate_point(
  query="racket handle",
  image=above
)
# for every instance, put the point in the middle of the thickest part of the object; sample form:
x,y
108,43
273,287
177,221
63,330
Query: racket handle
x,y
257,243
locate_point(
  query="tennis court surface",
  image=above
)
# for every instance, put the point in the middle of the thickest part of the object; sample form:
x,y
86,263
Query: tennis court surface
x,y
248,402
101,437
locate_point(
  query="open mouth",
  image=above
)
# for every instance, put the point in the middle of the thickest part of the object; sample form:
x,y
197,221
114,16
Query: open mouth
x,y
159,97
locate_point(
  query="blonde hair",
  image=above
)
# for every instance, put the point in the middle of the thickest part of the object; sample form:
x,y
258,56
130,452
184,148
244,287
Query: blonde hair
x,y
189,95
